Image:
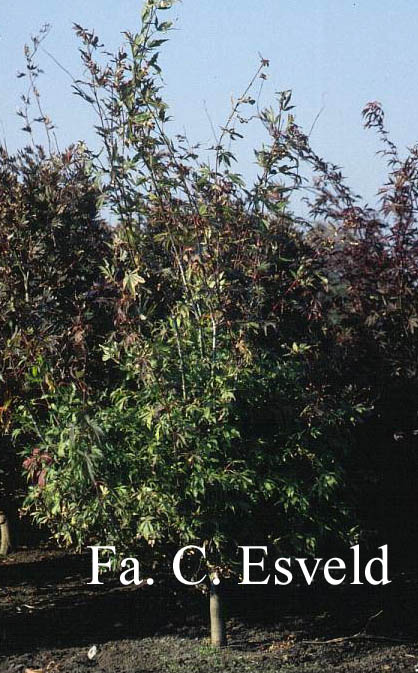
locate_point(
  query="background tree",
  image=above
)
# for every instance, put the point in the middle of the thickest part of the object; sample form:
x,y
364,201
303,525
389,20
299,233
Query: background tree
x,y
52,242
369,257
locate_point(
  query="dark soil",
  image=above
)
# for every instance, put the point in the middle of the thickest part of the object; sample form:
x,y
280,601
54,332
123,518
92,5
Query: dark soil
x,y
50,618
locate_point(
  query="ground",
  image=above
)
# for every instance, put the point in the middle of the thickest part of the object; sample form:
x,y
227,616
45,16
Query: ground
x,y
50,618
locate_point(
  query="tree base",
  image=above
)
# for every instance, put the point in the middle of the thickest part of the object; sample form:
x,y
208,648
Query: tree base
x,y
5,542
217,619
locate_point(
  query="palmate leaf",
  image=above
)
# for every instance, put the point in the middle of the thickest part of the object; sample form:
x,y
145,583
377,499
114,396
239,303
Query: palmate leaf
x,y
131,280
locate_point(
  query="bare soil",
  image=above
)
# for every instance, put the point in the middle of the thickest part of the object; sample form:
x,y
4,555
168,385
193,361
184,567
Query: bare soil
x,y
50,618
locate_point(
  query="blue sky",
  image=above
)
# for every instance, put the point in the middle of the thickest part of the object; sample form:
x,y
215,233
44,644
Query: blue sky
x,y
336,55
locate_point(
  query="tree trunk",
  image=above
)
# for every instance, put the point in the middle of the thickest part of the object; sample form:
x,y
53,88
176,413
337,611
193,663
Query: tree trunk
x,y
5,544
217,619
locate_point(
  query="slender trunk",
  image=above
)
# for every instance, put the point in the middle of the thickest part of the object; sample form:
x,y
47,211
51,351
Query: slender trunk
x,y
217,619
5,544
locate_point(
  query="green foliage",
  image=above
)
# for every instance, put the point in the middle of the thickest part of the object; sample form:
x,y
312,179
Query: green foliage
x,y
187,451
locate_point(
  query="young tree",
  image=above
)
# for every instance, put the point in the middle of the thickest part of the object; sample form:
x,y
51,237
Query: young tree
x,y
219,427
